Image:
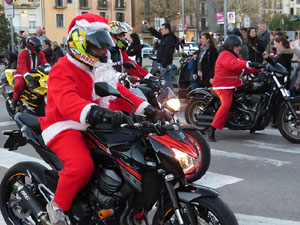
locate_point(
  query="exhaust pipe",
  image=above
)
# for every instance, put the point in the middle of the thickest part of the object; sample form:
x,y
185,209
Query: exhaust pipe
x,y
31,203
204,117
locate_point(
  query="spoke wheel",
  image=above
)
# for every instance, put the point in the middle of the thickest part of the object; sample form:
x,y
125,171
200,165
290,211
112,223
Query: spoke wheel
x,y
287,124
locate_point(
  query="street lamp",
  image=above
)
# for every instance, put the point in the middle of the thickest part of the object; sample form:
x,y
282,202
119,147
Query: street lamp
x,y
182,17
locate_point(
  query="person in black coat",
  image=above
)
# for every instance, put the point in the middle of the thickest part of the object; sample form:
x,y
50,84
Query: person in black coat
x,y
48,50
165,50
57,52
205,63
135,48
256,46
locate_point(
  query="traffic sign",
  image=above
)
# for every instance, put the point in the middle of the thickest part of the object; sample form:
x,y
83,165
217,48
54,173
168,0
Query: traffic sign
x,y
9,11
8,1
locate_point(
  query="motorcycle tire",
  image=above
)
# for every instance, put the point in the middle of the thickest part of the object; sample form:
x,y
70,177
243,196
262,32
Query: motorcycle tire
x,y
203,153
287,125
208,210
193,107
12,209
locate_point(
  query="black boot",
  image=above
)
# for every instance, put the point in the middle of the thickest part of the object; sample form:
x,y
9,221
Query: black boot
x,y
210,133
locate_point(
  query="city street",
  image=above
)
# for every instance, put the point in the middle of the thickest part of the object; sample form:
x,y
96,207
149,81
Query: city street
x,y
256,174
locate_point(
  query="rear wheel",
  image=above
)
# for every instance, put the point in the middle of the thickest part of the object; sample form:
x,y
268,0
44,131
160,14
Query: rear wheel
x,y
198,107
203,151
287,124
205,211
13,210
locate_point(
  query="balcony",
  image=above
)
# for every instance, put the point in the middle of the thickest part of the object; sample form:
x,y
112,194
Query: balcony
x,y
102,4
27,4
60,4
84,4
120,4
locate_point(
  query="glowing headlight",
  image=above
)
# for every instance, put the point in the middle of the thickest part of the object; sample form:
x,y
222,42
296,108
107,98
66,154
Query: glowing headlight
x,y
163,82
173,104
186,162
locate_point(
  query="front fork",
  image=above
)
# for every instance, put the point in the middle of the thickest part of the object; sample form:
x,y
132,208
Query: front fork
x,y
170,188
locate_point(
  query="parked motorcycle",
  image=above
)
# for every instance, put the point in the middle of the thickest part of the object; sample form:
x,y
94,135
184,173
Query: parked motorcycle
x,y
184,81
262,98
33,99
162,98
137,166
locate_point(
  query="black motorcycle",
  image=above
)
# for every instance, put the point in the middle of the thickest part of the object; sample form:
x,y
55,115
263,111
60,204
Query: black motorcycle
x,y
261,99
134,170
184,80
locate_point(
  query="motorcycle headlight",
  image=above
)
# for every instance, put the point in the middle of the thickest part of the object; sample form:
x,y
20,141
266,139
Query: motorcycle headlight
x,y
173,104
186,162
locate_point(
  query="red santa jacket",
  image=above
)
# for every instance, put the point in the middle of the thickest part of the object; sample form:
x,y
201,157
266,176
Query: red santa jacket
x,y
133,72
26,62
228,68
70,97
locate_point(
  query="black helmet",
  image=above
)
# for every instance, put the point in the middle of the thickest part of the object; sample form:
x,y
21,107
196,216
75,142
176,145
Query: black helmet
x,y
231,41
34,44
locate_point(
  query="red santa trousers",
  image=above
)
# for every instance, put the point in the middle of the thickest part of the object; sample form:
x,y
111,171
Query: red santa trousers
x,y
221,116
19,87
70,147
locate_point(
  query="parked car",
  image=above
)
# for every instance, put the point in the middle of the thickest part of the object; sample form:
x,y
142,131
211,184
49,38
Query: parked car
x,y
190,47
147,49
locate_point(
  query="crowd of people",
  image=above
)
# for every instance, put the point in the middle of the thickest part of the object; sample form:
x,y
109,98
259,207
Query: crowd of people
x,y
51,49
258,45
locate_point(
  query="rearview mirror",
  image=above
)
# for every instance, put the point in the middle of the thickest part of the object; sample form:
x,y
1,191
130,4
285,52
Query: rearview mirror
x,y
103,89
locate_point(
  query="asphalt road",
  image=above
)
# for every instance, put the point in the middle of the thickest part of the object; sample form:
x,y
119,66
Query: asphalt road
x,y
256,174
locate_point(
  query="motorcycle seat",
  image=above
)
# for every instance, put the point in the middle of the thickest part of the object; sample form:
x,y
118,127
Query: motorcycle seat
x,y
213,93
30,120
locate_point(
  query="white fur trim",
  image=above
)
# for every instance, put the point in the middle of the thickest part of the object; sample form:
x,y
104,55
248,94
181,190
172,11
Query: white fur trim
x,y
26,74
93,26
220,88
50,132
85,112
247,64
141,109
148,76
18,75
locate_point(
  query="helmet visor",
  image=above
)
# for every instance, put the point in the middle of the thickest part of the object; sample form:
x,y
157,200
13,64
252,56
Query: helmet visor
x,y
98,40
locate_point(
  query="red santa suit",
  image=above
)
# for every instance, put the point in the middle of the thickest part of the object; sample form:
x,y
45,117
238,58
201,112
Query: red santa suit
x,y
134,72
70,97
228,68
26,63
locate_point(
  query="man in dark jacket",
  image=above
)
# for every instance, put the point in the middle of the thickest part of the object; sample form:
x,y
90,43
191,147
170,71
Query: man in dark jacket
x,y
165,50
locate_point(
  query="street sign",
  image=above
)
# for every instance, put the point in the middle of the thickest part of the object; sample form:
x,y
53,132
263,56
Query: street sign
x,y
8,1
246,21
220,17
231,17
9,11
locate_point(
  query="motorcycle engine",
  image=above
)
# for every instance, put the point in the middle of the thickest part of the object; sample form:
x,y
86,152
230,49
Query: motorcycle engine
x,y
101,193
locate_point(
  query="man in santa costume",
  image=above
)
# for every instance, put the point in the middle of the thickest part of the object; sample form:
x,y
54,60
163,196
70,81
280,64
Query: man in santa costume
x,y
118,31
72,106
29,58
229,66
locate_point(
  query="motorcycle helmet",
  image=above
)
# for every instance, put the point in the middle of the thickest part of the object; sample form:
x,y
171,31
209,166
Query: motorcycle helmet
x,y
231,41
89,38
34,44
116,28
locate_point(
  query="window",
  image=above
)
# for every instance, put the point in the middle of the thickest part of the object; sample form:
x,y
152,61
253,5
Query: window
x,y
203,8
84,12
298,1
147,4
59,3
84,4
70,1
120,4
60,20
292,11
32,22
298,11
102,3
191,20
120,16
102,14
203,23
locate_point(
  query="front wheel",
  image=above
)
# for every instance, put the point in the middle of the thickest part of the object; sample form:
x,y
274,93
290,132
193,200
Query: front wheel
x,y
205,210
203,152
287,125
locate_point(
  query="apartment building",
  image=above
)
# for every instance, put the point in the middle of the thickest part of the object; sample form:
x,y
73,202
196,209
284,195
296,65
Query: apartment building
x,y
291,7
27,15
270,7
57,14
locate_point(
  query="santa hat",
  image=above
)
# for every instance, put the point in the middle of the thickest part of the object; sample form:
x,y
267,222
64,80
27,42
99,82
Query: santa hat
x,y
90,21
